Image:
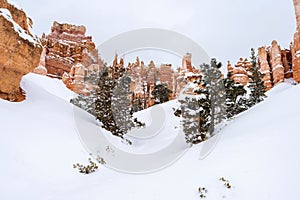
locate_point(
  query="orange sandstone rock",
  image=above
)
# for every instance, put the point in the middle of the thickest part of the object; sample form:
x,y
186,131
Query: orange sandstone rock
x,y
20,50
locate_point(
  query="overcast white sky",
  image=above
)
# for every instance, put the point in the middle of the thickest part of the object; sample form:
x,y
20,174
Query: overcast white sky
x,y
226,29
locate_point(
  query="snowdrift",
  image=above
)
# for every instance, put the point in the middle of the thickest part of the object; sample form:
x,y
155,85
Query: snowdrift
x,y
258,153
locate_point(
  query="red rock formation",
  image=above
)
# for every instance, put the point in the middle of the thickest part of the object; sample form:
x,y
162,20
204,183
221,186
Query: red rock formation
x,y
240,72
166,75
296,44
287,62
265,67
67,45
145,77
41,69
276,63
77,79
20,50
187,62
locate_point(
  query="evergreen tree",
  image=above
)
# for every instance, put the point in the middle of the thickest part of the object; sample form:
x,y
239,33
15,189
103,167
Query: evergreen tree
x,y
121,105
161,93
196,113
112,106
103,102
202,111
86,103
213,83
235,97
137,104
204,122
256,85
190,112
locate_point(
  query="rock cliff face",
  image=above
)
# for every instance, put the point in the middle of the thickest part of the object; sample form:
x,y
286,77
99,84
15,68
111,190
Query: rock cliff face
x,y
287,62
77,79
41,69
66,46
187,62
276,63
263,61
144,77
240,72
20,50
296,44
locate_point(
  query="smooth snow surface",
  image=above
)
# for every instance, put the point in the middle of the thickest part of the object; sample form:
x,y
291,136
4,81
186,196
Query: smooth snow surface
x,y
258,153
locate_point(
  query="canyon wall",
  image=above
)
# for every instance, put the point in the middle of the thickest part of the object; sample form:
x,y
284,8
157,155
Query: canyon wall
x,y
66,46
20,50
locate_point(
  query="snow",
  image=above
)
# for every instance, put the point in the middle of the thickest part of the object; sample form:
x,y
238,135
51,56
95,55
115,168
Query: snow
x,y
258,152
16,3
277,67
265,71
290,81
17,28
192,74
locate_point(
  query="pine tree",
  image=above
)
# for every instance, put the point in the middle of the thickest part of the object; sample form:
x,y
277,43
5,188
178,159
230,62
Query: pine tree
x,y
161,93
86,103
202,111
121,105
137,104
204,122
190,112
196,113
256,85
214,84
103,102
235,97
112,106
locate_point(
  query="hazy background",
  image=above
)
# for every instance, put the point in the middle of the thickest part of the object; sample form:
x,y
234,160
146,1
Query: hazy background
x,y
226,29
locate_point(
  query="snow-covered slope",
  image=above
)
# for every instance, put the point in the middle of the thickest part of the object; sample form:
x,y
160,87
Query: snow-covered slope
x,y
258,153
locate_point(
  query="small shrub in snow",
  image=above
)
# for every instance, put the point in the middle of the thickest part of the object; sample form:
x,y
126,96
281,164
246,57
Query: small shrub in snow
x,y
226,182
101,160
92,167
203,191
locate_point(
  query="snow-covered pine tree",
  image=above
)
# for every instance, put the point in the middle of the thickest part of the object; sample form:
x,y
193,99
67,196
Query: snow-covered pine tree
x,y
103,109
86,103
214,83
121,105
161,93
137,103
204,121
190,111
256,85
195,112
235,97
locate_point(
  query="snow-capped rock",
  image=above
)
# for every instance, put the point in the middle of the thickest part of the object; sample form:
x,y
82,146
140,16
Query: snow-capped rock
x,y
20,50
